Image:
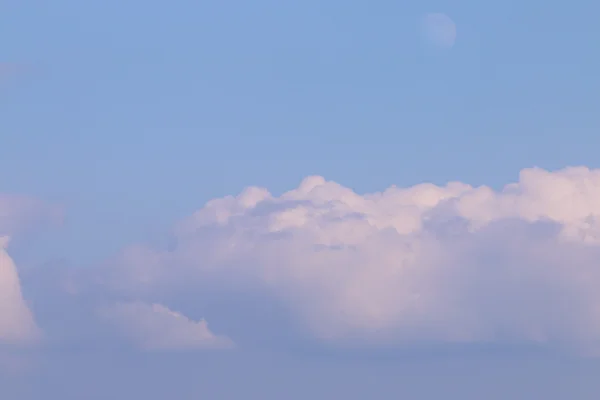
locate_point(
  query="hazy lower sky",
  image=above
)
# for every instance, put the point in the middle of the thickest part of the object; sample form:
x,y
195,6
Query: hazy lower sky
x,y
269,199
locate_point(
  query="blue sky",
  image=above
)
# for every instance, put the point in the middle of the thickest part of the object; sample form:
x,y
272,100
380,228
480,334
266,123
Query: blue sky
x,y
148,110
130,116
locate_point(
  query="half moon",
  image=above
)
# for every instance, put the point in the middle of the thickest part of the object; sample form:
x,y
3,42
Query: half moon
x,y
439,30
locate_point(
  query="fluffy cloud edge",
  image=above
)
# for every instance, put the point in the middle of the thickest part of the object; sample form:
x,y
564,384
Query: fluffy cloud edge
x,y
17,323
19,214
453,263
154,327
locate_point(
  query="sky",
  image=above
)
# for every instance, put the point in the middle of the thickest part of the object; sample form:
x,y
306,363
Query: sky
x,y
265,199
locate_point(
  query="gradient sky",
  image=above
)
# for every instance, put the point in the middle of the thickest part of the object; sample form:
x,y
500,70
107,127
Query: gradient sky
x,y
148,110
130,115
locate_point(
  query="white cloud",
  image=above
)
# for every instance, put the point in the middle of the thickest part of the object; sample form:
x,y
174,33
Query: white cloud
x,y
17,325
452,263
155,327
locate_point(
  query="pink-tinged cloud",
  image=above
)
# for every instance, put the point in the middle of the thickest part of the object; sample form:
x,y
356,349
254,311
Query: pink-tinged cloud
x,y
17,325
155,327
18,214
451,263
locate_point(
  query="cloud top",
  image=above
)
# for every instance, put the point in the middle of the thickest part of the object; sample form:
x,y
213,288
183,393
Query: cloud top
x,y
451,263
425,264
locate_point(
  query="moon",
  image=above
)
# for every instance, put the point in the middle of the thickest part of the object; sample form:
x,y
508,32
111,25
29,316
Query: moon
x,y
439,30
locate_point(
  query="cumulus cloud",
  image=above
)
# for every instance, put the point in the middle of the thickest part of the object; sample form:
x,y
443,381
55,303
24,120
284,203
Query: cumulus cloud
x,y
451,263
17,325
155,327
